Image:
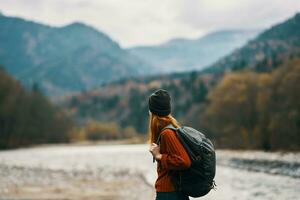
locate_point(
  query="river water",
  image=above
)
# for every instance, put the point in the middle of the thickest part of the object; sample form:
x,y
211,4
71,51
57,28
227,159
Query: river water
x,y
112,162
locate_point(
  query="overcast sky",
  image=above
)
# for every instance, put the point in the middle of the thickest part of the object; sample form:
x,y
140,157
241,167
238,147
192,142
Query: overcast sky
x,y
140,22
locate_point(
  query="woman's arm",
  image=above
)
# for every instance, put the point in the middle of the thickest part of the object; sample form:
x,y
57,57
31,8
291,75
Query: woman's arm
x,y
175,157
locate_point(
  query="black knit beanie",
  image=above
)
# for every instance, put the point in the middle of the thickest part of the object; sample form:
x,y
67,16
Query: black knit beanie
x,y
160,103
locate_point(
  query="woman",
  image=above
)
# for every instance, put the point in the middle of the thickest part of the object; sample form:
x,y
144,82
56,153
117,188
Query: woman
x,y
169,154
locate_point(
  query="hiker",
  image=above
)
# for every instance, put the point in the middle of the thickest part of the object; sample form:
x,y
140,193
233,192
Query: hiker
x,y
169,154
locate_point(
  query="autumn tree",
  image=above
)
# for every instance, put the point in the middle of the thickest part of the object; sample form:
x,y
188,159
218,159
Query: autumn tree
x,y
261,111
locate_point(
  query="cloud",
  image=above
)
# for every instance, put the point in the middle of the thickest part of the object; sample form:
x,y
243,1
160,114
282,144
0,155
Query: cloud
x,y
218,14
136,22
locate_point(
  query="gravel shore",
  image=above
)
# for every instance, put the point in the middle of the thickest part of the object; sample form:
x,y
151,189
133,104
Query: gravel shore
x,y
277,163
21,183
121,172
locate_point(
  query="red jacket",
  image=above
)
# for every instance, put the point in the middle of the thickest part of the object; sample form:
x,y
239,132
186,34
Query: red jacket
x,y
174,157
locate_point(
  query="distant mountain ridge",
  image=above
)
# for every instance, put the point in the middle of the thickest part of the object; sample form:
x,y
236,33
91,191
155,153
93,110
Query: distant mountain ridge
x,y
192,54
265,52
62,59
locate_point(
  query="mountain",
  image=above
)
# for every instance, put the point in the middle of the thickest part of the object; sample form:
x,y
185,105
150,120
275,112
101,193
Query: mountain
x,y
186,55
62,59
265,52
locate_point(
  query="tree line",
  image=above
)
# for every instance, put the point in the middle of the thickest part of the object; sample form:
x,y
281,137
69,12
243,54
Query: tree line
x,y
27,117
241,109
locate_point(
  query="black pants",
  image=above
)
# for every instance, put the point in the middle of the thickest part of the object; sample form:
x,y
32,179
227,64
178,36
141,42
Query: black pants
x,y
171,196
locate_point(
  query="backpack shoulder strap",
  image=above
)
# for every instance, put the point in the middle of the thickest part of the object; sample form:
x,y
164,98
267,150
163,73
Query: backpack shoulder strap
x,y
170,126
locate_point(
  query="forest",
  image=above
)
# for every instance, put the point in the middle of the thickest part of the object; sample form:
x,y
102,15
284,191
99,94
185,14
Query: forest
x,y
242,109
256,110
27,117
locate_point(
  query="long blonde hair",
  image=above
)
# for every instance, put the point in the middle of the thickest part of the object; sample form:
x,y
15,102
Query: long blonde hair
x,y
157,123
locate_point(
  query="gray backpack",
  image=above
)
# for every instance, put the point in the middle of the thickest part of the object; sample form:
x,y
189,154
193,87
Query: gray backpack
x,y
198,179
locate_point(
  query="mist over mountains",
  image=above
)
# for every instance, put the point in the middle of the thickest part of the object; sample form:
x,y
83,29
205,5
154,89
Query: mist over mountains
x,y
181,55
77,57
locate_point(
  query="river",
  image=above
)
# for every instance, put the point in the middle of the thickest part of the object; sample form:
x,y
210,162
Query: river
x,y
127,172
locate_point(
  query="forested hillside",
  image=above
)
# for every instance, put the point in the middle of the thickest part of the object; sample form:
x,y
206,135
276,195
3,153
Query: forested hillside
x,y
266,51
27,117
251,108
